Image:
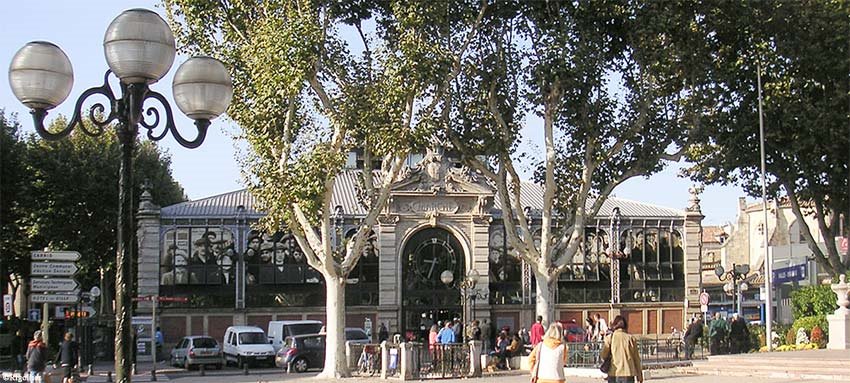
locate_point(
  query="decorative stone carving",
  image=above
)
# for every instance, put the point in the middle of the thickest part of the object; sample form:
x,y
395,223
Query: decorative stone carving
x,y
694,202
435,174
840,289
390,219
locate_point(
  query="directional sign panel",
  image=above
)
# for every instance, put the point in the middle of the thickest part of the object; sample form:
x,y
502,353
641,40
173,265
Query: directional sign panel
x,y
54,298
53,284
53,268
70,256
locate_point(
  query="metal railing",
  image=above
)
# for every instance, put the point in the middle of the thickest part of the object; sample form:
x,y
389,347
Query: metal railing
x,y
652,351
440,361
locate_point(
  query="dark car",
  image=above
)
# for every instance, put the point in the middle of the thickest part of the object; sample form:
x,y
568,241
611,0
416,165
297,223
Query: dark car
x,y
573,332
302,352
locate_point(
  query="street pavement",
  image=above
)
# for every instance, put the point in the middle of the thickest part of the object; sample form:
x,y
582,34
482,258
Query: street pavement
x,y
276,375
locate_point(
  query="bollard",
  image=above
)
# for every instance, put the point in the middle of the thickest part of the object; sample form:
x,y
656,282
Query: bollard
x,y
90,371
153,375
109,377
203,370
133,369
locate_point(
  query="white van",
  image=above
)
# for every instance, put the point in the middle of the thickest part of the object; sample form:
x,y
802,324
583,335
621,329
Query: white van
x,y
247,344
279,330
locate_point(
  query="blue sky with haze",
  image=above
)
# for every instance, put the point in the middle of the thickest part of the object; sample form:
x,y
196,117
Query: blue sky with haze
x,y
78,28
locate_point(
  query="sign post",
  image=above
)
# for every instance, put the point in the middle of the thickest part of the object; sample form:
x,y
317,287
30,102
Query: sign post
x,y
8,304
45,265
704,299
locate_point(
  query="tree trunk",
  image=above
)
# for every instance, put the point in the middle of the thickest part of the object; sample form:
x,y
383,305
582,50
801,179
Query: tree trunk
x,y
545,301
335,364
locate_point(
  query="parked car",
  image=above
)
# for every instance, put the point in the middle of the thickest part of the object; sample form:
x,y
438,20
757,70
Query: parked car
x,y
247,344
303,352
195,351
357,335
308,351
573,332
279,330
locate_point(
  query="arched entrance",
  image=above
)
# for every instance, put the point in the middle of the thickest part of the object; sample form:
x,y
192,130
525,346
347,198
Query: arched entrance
x,y
426,300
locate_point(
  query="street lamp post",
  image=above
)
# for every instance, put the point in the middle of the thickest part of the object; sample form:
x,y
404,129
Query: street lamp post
x,y
468,294
139,49
738,272
616,255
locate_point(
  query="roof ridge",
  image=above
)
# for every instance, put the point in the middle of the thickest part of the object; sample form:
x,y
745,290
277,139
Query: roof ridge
x,y
210,197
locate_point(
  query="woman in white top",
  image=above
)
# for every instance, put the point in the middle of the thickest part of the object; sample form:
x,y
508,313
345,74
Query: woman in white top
x,y
549,357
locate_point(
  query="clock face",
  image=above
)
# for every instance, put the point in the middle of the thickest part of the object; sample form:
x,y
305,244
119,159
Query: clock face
x,y
431,257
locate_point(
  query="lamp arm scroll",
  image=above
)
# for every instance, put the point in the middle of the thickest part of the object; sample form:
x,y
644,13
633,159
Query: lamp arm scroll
x,y
95,111
169,126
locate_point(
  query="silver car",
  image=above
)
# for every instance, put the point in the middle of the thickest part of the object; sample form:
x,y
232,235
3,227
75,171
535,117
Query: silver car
x,y
195,351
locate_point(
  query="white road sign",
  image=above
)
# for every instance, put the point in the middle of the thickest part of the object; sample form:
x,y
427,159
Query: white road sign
x,y
53,284
70,256
53,268
54,298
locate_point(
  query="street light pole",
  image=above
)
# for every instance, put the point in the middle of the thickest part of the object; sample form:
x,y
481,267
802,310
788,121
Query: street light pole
x,y
139,49
615,256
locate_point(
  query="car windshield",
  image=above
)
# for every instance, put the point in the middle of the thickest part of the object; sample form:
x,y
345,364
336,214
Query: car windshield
x,y
204,343
252,338
304,328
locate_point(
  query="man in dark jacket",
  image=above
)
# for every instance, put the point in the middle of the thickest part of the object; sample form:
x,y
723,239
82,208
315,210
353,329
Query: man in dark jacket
x,y
36,358
693,333
739,335
67,357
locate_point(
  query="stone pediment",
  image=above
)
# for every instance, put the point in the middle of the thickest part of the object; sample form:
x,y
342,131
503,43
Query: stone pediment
x,y
436,175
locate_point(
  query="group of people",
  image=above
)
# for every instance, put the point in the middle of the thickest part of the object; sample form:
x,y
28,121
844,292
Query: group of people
x,y
724,337
66,358
551,353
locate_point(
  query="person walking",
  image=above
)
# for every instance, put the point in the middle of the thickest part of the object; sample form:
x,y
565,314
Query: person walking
x,y
622,348
601,329
548,358
588,329
36,358
717,332
67,357
692,334
383,334
537,330
739,335
475,332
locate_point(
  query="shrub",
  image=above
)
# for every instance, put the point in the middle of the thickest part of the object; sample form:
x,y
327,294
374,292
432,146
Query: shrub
x,y
790,337
757,336
817,336
816,300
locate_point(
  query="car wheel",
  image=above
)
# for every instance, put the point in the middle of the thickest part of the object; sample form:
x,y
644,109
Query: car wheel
x,y
299,365
173,361
218,366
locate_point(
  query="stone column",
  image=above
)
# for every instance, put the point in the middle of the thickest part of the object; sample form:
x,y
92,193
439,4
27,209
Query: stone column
x,y
481,262
692,238
389,296
839,321
475,359
147,234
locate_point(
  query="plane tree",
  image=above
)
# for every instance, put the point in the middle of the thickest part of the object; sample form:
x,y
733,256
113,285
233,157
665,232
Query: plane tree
x,y
314,80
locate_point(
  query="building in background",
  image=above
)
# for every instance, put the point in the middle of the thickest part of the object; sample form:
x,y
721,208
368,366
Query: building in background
x,y
447,219
743,243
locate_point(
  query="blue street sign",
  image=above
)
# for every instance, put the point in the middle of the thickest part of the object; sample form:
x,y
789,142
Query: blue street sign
x,y
790,274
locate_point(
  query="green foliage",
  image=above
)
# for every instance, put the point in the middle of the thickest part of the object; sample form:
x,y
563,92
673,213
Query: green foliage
x,y
810,322
14,247
817,300
758,338
804,70
791,336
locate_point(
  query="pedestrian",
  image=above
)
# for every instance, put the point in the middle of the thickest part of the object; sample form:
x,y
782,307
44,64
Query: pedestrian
x,y
588,329
476,330
160,340
717,332
739,335
432,338
601,329
447,334
36,358
548,358
489,333
457,328
692,334
536,335
622,349
500,354
383,333
67,358
19,346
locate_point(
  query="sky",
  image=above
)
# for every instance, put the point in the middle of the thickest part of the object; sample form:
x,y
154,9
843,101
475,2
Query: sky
x,y
78,28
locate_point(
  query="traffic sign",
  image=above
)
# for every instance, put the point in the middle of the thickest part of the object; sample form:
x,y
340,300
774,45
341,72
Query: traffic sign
x,y
704,298
843,244
54,298
95,292
72,314
53,268
53,284
703,308
173,299
70,256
